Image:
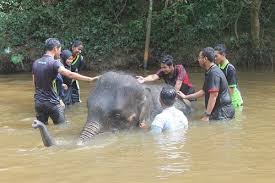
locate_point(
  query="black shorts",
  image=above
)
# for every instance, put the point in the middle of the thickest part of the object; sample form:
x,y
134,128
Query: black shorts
x,y
44,110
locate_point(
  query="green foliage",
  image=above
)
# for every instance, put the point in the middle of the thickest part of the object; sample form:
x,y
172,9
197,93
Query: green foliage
x,y
108,25
16,59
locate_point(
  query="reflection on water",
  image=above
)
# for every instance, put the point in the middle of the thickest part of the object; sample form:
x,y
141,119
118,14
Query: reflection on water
x,y
171,153
241,150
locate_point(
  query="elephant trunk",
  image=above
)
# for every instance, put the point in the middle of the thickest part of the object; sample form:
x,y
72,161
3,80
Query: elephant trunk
x,y
46,138
91,129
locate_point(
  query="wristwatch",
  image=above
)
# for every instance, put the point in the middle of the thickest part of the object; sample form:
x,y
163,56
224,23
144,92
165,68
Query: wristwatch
x,y
207,114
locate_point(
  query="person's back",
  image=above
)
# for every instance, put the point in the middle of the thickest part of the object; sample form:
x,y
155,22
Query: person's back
x,y
170,119
45,71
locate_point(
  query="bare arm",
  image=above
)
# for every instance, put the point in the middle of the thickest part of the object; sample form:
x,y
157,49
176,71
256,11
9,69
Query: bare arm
x,y
178,85
152,77
198,94
72,75
211,103
33,80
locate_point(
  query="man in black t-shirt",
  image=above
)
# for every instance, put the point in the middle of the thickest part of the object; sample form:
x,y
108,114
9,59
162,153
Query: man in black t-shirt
x,y
218,102
174,75
45,70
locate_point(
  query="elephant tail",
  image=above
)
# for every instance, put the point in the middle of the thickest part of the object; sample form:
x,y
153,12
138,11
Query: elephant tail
x,y
45,135
90,129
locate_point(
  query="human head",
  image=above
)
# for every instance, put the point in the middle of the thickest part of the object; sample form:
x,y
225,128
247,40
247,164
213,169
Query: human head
x,y
167,65
168,96
206,56
53,45
66,57
77,47
220,53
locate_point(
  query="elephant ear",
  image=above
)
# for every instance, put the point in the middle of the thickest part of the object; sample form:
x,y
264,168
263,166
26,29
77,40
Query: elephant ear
x,y
149,106
145,107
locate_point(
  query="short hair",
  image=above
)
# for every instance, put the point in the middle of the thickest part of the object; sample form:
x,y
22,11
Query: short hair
x,y
76,43
220,48
168,95
52,43
209,52
167,60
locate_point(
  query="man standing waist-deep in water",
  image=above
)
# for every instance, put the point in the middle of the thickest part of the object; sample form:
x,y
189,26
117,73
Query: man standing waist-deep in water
x,y
218,102
230,73
45,70
174,75
76,65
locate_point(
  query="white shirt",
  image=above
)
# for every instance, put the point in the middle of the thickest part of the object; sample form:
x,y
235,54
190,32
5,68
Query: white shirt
x,y
170,119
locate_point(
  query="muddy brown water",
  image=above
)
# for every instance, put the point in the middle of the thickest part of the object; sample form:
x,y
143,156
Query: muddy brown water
x,y
242,150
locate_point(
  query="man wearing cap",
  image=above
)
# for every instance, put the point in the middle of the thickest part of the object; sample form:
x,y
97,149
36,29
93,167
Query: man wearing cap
x,y
218,102
174,75
170,119
45,70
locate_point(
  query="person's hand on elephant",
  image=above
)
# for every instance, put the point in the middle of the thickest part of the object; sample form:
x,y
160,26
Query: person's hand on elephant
x,y
94,78
97,77
183,96
140,79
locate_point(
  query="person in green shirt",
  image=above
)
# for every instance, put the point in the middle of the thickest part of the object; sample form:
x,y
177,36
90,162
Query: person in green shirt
x,y
230,73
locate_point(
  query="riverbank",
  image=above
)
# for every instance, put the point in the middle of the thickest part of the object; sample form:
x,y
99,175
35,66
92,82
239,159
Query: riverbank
x,y
133,60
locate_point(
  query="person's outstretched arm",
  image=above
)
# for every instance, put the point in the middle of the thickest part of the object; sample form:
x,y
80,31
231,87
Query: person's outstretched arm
x,y
198,94
152,77
72,75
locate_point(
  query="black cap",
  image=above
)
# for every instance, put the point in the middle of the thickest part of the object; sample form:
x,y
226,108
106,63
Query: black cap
x,y
65,54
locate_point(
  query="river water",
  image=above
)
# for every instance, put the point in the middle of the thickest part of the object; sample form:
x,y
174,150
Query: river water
x,y
242,150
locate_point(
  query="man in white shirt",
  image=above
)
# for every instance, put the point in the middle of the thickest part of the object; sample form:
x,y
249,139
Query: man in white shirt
x,y
170,119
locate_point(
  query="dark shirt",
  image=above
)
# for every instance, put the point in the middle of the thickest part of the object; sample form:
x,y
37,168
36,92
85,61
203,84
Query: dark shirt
x,y
215,81
77,63
178,74
230,74
45,71
67,80
59,85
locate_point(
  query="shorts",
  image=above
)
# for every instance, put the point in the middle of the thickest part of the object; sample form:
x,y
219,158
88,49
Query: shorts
x,y
44,110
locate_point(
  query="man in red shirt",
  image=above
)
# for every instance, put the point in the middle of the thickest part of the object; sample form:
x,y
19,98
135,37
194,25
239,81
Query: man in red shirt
x,y
174,75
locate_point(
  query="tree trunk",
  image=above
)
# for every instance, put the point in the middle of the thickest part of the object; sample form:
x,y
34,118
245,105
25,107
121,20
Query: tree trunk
x,y
255,22
148,32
